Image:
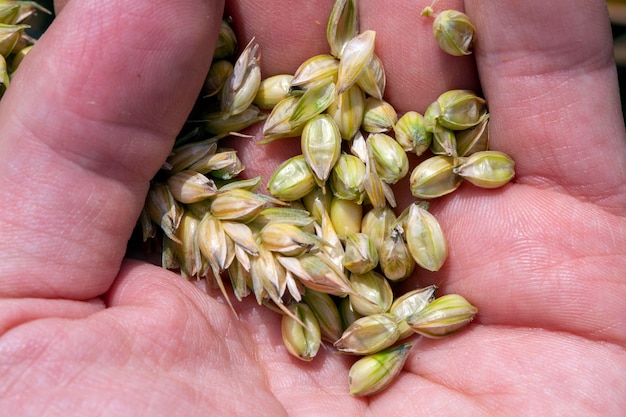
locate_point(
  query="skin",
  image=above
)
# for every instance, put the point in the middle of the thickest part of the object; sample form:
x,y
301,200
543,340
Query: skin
x,y
93,113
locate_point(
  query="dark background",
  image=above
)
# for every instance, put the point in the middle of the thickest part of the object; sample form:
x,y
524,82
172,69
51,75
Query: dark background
x,y
618,20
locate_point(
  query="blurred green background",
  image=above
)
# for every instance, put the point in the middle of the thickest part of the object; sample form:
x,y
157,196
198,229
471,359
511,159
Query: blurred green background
x,y
617,11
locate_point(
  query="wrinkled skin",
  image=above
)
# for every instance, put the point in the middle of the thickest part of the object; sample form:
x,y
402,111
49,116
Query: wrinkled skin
x,y
94,111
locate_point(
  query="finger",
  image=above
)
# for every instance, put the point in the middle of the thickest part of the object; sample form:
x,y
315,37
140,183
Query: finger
x,y
417,71
86,123
158,335
548,74
19,311
288,33
416,68
59,5
534,256
546,260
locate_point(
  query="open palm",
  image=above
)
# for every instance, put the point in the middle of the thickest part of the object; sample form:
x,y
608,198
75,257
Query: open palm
x,y
94,111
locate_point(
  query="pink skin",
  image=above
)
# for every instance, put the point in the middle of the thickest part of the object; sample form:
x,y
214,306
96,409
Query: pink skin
x,y
94,111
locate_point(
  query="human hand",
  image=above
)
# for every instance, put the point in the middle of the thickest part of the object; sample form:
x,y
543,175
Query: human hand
x,y
93,114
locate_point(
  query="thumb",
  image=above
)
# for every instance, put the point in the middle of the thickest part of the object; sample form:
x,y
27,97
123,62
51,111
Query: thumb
x,y
553,95
87,121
